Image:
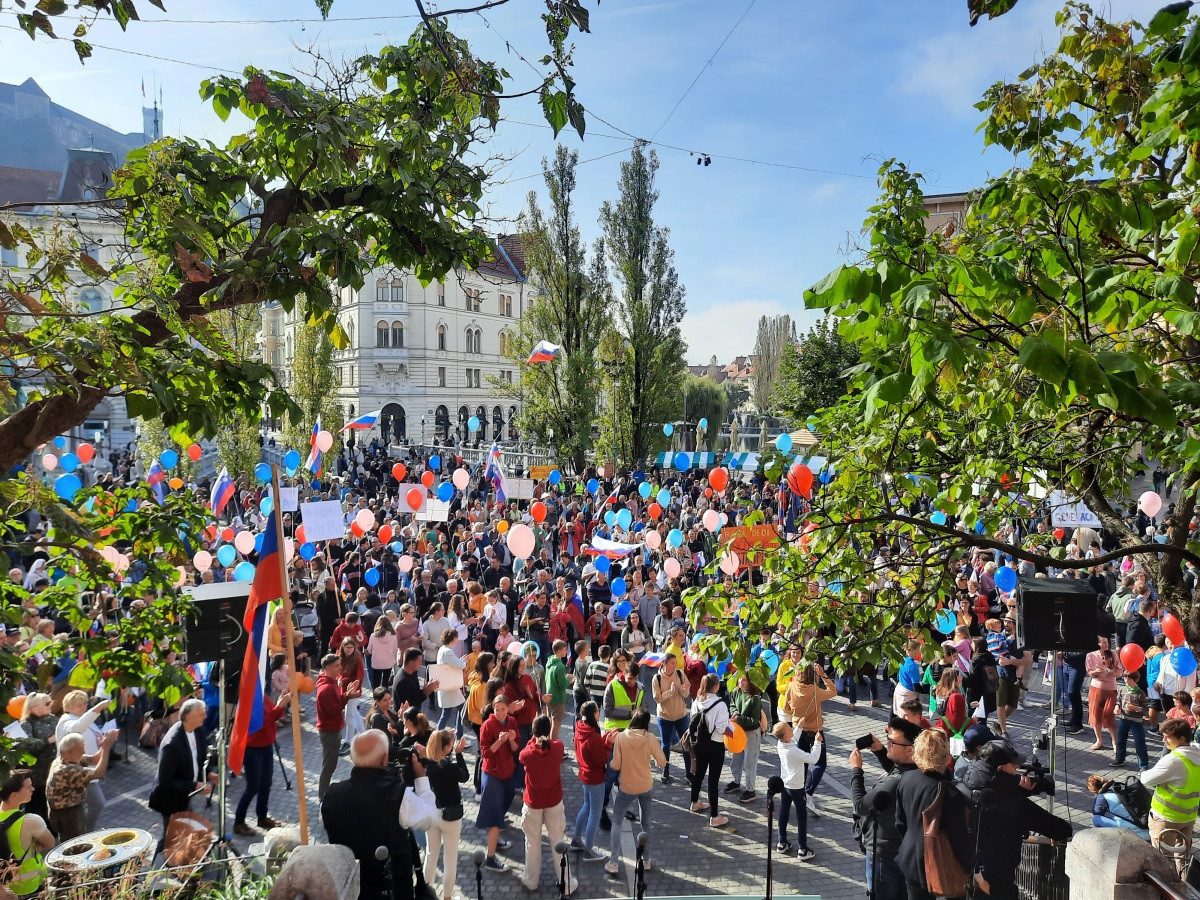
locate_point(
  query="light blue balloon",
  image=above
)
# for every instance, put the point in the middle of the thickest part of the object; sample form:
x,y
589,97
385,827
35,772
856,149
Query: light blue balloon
x,y
555,476
1005,578
371,577
945,621
132,505
169,459
445,491
266,505
68,462
291,459
593,485
60,442
664,498
836,587
938,517
308,550
811,422
644,489
771,658
602,563
473,424
682,461
397,547
610,518
668,429
244,571
675,537
783,443
67,486
1162,539
625,518
435,462
704,424
618,587
226,554
263,472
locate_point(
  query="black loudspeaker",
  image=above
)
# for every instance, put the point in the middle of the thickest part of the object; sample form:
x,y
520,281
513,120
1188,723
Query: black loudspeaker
x,y
213,627
1056,614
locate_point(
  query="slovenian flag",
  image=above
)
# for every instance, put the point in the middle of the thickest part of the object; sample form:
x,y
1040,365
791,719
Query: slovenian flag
x,y
222,492
314,461
157,479
364,422
544,352
266,588
495,473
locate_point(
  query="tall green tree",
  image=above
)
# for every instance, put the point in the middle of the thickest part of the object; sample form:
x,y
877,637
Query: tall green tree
x,y
703,399
650,302
736,393
313,388
238,445
569,308
815,372
776,334
612,412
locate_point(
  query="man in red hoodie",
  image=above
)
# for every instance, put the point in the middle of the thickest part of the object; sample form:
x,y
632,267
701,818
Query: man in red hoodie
x,y
260,767
331,716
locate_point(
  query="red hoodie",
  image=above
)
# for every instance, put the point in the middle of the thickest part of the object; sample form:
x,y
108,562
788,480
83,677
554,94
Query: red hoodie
x,y
331,704
498,763
591,752
543,773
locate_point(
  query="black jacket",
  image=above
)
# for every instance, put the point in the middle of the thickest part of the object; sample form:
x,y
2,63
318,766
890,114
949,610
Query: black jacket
x,y
1005,822
914,793
175,778
884,821
363,813
1138,632
976,685
445,776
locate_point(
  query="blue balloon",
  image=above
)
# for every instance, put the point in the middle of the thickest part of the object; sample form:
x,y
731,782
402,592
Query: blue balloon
x,y
226,554
771,658
625,519
610,518
258,542
811,422
938,517
644,489
675,537
623,609
682,461
291,459
60,442
132,505
67,486
555,476
1161,538
663,498
668,429
1006,579
397,547
435,462
308,550
618,587
169,459
827,474
371,577
68,462
244,571
473,424
783,443
593,485
266,505
315,484
1183,661
836,587
263,472
704,424
722,667
602,563
979,526
946,621
445,491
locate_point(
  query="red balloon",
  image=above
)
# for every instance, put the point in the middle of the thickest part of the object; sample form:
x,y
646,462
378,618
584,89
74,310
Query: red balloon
x,y
356,529
538,511
1173,629
655,510
708,492
719,479
227,535
1132,657
427,478
194,452
399,471
414,496
385,534
300,535
211,533
85,452
1059,534
800,479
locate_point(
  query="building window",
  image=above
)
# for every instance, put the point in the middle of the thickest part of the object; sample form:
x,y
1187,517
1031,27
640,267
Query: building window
x,y
91,300
398,291
381,291
441,294
474,378
397,334
441,376
381,334
506,305
507,376
8,257
474,301
441,337
503,344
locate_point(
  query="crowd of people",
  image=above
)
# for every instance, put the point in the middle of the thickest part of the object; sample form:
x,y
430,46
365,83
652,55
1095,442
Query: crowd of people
x,y
446,668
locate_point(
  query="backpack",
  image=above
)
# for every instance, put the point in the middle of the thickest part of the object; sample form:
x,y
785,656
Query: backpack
x,y
7,852
697,731
944,874
1135,796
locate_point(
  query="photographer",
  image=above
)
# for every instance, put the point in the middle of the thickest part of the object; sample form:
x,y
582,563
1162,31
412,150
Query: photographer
x,y
1006,817
373,807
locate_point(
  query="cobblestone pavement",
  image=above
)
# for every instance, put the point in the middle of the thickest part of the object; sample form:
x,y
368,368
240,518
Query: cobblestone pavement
x,y
689,857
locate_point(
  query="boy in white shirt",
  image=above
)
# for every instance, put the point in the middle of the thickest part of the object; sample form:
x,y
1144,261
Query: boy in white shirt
x,y
792,763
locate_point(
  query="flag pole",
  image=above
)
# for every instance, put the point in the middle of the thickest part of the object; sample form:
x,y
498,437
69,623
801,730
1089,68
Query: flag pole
x,y
290,648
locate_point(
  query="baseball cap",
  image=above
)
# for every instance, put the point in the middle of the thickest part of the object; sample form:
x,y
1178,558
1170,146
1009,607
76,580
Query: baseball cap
x,y
976,736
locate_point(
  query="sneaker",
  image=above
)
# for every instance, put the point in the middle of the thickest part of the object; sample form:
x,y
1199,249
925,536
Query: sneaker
x,y
699,806
577,845
812,805
875,704
747,796
852,707
590,855
267,823
502,844
630,815
495,864
612,867
605,821
344,749
783,847
1117,762
718,821
805,855
732,786
243,829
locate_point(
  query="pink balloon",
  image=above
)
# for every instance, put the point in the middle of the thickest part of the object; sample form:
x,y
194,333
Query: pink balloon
x,y
729,562
711,520
461,479
521,541
406,563
671,567
50,462
244,542
324,441
365,519
202,560
289,549
1150,503
181,577
653,540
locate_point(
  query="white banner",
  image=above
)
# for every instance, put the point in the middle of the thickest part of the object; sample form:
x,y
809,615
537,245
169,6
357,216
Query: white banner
x,y
289,499
1068,512
322,520
434,510
520,488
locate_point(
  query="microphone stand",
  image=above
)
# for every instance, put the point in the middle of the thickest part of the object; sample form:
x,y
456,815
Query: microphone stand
x,y
977,804
562,848
382,855
478,858
774,787
640,865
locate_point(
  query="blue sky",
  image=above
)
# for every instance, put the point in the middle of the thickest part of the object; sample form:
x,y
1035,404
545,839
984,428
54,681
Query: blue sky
x,y
824,90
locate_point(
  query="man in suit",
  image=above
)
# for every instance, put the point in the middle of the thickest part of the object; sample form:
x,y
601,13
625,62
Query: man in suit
x,y
182,757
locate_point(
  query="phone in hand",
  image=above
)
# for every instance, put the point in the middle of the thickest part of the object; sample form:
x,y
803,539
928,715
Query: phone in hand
x,y
865,742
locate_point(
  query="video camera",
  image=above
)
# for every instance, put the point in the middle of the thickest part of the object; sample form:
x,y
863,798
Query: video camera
x,y
1039,775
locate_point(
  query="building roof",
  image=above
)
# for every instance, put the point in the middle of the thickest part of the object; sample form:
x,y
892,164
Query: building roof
x,y
509,261
28,185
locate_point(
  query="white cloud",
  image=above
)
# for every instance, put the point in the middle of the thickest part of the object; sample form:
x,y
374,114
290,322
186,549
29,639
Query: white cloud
x,y
727,330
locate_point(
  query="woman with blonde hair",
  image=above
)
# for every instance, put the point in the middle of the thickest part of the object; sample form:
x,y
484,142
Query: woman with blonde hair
x,y
39,725
446,771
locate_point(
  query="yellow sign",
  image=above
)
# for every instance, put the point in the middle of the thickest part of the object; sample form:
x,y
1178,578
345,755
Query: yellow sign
x,y
539,473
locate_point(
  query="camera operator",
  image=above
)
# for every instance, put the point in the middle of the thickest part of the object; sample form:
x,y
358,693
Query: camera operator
x,y
1007,816
374,807
874,809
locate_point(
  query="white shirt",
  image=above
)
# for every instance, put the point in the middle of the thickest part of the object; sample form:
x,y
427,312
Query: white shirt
x,y
497,614
191,739
84,726
792,761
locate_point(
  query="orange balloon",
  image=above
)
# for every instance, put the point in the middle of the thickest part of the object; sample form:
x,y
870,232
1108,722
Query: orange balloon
x,y
719,479
708,492
538,511
300,535
175,483
356,529
735,738
399,471
16,706
305,684
502,526
427,478
85,452
227,535
414,496
211,533
194,452
655,510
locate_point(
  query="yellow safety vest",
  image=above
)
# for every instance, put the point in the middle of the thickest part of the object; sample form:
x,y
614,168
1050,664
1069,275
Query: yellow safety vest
x,y
621,698
1178,804
30,870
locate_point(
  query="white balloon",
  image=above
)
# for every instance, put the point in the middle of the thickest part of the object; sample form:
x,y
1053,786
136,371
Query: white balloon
x,y
365,519
244,542
712,520
202,560
521,541
50,462
671,567
181,578
653,540
289,549
461,479
324,441
1150,503
406,563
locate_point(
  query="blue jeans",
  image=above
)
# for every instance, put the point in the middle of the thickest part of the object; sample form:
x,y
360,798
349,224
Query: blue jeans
x,y
670,731
1126,727
588,818
621,803
889,884
259,763
1074,688
815,773
848,684
450,719
789,798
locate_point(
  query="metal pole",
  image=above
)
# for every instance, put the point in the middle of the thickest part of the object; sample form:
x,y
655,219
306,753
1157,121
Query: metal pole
x,y
1053,729
290,648
223,755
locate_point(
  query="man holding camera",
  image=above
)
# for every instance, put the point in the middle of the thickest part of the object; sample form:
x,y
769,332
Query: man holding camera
x,y
374,808
874,809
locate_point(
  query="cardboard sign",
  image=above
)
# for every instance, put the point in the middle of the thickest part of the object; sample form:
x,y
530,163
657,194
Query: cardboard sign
x,y
434,510
520,488
1068,512
449,678
540,473
289,499
322,520
750,541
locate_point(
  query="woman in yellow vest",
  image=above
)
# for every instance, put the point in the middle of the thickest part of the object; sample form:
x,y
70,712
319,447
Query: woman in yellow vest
x,y
1176,782
27,835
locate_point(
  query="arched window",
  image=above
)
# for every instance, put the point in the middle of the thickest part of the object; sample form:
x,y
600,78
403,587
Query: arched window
x,y
470,345
478,341
512,423
498,423
481,414
441,423
503,344
397,334
381,334
392,422
441,337
350,334
381,291
91,300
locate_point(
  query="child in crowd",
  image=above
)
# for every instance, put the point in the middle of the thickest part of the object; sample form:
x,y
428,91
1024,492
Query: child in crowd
x,y
1183,708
